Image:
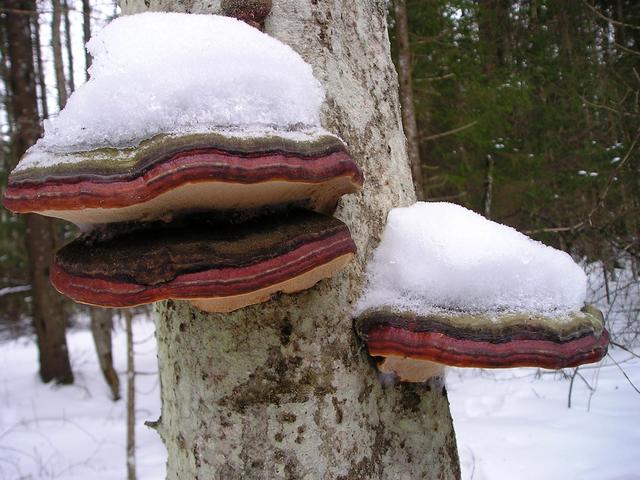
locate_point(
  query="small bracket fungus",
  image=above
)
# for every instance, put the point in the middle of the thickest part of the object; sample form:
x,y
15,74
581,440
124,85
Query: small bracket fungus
x,y
416,348
160,129
219,267
448,287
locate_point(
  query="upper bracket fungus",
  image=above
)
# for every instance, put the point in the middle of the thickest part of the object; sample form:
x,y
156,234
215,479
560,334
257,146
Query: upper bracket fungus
x,y
160,129
448,287
219,267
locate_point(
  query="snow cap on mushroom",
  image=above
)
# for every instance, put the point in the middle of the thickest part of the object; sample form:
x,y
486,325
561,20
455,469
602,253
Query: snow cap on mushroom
x,y
215,104
449,286
218,266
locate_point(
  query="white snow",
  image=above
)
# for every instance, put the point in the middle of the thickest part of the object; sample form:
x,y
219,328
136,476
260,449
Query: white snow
x,y
168,72
77,432
441,256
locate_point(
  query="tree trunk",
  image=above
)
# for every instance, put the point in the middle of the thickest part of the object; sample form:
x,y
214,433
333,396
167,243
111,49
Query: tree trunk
x,y
86,34
48,314
56,45
406,95
284,389
68,45
101,327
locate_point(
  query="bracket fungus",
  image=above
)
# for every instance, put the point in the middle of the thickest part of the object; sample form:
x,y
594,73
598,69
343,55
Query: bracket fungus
x,y
191,175
448,287
219,267
173,133
169,175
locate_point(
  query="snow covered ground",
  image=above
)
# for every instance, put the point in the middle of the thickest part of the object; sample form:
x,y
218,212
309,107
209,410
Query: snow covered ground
x,y
77,432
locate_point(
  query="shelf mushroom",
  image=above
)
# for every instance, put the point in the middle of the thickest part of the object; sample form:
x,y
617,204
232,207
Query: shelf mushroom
x,y
157,132
172,174
448,287
219,267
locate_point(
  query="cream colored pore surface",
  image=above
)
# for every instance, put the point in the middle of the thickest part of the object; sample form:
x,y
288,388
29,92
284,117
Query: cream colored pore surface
x,y
410,369
202,196
296,284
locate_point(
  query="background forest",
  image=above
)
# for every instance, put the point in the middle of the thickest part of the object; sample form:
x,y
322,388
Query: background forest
x,y
527,111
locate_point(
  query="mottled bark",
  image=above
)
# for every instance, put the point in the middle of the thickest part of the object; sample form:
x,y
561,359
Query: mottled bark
x,y
86,34
283,389
56,46
48,314
406,95
101,327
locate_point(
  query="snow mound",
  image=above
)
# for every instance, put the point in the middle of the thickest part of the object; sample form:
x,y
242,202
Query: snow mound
x,y
437,257
170,73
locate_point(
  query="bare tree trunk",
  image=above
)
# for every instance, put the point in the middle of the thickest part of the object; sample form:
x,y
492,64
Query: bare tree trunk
x,y
284,389
68,44
48,313
101,328
56,45
131,399
86,31
40,69
406,96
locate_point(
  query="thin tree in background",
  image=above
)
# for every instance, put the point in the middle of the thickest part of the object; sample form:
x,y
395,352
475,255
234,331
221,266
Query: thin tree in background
x,y
39,67
86,34
56,46
68,45
131,398
101,328
406,95
47,309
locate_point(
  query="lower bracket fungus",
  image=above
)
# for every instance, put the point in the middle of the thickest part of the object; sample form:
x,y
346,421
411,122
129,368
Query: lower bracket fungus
x,y
219,267
416,348
174,174
448,287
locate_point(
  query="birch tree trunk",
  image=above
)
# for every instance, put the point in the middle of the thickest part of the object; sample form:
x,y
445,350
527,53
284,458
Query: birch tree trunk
x,y
284,389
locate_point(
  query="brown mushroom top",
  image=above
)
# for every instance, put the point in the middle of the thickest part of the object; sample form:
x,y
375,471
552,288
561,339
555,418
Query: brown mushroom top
x,y
195,258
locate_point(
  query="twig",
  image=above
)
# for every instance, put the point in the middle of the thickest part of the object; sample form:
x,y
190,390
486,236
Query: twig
x,y
449,132
624,373
609,19
616,344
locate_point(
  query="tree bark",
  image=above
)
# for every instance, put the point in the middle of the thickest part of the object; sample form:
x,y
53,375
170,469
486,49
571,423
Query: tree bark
x,y
406,96
48,313
56,45
86,34
101,327
284,389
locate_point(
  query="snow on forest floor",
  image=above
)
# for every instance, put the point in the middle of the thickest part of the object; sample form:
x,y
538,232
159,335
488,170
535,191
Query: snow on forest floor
x,y
510,424
77,432
515,424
